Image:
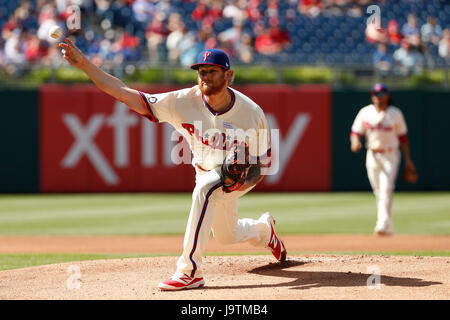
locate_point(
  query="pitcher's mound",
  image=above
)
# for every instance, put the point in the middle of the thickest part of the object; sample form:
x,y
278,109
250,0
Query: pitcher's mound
x,y
238,277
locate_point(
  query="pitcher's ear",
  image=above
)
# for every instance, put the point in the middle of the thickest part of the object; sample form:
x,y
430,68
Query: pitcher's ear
x,y
230,76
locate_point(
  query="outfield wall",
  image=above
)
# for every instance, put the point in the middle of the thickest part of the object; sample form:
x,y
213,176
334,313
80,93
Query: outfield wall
x,y
427,114
78,139
19,136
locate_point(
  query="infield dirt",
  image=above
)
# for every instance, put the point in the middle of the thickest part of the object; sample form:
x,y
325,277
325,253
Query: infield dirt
x,y
302,276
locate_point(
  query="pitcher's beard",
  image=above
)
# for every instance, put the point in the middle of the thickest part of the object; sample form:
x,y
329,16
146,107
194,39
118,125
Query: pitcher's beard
x,y
212,89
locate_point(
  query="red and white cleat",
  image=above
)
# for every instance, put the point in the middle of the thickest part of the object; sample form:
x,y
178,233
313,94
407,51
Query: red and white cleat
x,y
276,245
181,281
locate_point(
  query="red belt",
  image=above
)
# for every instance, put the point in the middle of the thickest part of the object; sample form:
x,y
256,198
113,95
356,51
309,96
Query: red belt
x,y
382,150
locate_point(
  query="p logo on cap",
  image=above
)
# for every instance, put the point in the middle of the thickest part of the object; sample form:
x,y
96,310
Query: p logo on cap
x,y
213,57
379,87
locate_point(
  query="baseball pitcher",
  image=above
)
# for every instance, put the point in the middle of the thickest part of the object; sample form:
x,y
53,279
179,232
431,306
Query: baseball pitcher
x,y
212,117
385,130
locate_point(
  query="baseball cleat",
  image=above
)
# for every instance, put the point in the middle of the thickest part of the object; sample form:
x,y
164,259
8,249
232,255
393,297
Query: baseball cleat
x,y
385,230
276,245
384,233
181,281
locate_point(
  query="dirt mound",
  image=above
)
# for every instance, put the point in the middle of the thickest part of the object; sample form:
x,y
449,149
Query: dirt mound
x,y
238,277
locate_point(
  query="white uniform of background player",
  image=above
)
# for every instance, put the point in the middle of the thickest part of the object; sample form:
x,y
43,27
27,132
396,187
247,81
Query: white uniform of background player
x,y
384,128
204,115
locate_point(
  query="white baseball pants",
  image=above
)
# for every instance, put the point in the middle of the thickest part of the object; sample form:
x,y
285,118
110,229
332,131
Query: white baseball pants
x,y
382,171
214,209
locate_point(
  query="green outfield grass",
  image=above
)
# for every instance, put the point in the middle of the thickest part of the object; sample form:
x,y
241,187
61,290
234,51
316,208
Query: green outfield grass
x,y
159,214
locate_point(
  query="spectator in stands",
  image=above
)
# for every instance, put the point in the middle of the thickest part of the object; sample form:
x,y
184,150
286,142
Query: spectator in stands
x,y
236,10
126,46
105,51
231,37
407,60
272,10
48,17
143,11
431,31
208,11
272,40
393,33
93,42
411,32
200,11
53,57
14,47
353,8
189,48
102,8
177,32
165,7
156,34
9,27
356,10
444,45
310,8
253,12
245,49
24,16
192,45
34,49
382,60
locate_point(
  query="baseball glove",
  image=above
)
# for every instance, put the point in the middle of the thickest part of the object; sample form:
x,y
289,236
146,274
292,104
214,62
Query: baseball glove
x,y
234,169
410,175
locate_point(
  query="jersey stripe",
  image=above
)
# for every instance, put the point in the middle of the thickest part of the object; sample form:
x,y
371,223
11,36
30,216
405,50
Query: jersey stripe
x,y
151,116
199,225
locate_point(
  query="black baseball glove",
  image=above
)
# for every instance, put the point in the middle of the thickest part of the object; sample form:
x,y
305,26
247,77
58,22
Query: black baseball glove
x,y
237,171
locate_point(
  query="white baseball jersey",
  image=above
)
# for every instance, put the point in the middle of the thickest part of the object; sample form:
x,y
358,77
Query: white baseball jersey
x,y
383,129
210,134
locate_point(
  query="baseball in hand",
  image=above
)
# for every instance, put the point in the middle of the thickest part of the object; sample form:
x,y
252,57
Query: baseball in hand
x,y
55,32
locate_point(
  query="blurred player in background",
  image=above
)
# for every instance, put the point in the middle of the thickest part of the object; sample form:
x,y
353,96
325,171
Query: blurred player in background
x,y
385,130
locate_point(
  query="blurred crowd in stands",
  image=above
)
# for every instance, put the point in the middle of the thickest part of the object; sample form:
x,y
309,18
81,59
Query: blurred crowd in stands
x,y
407,49
175,31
